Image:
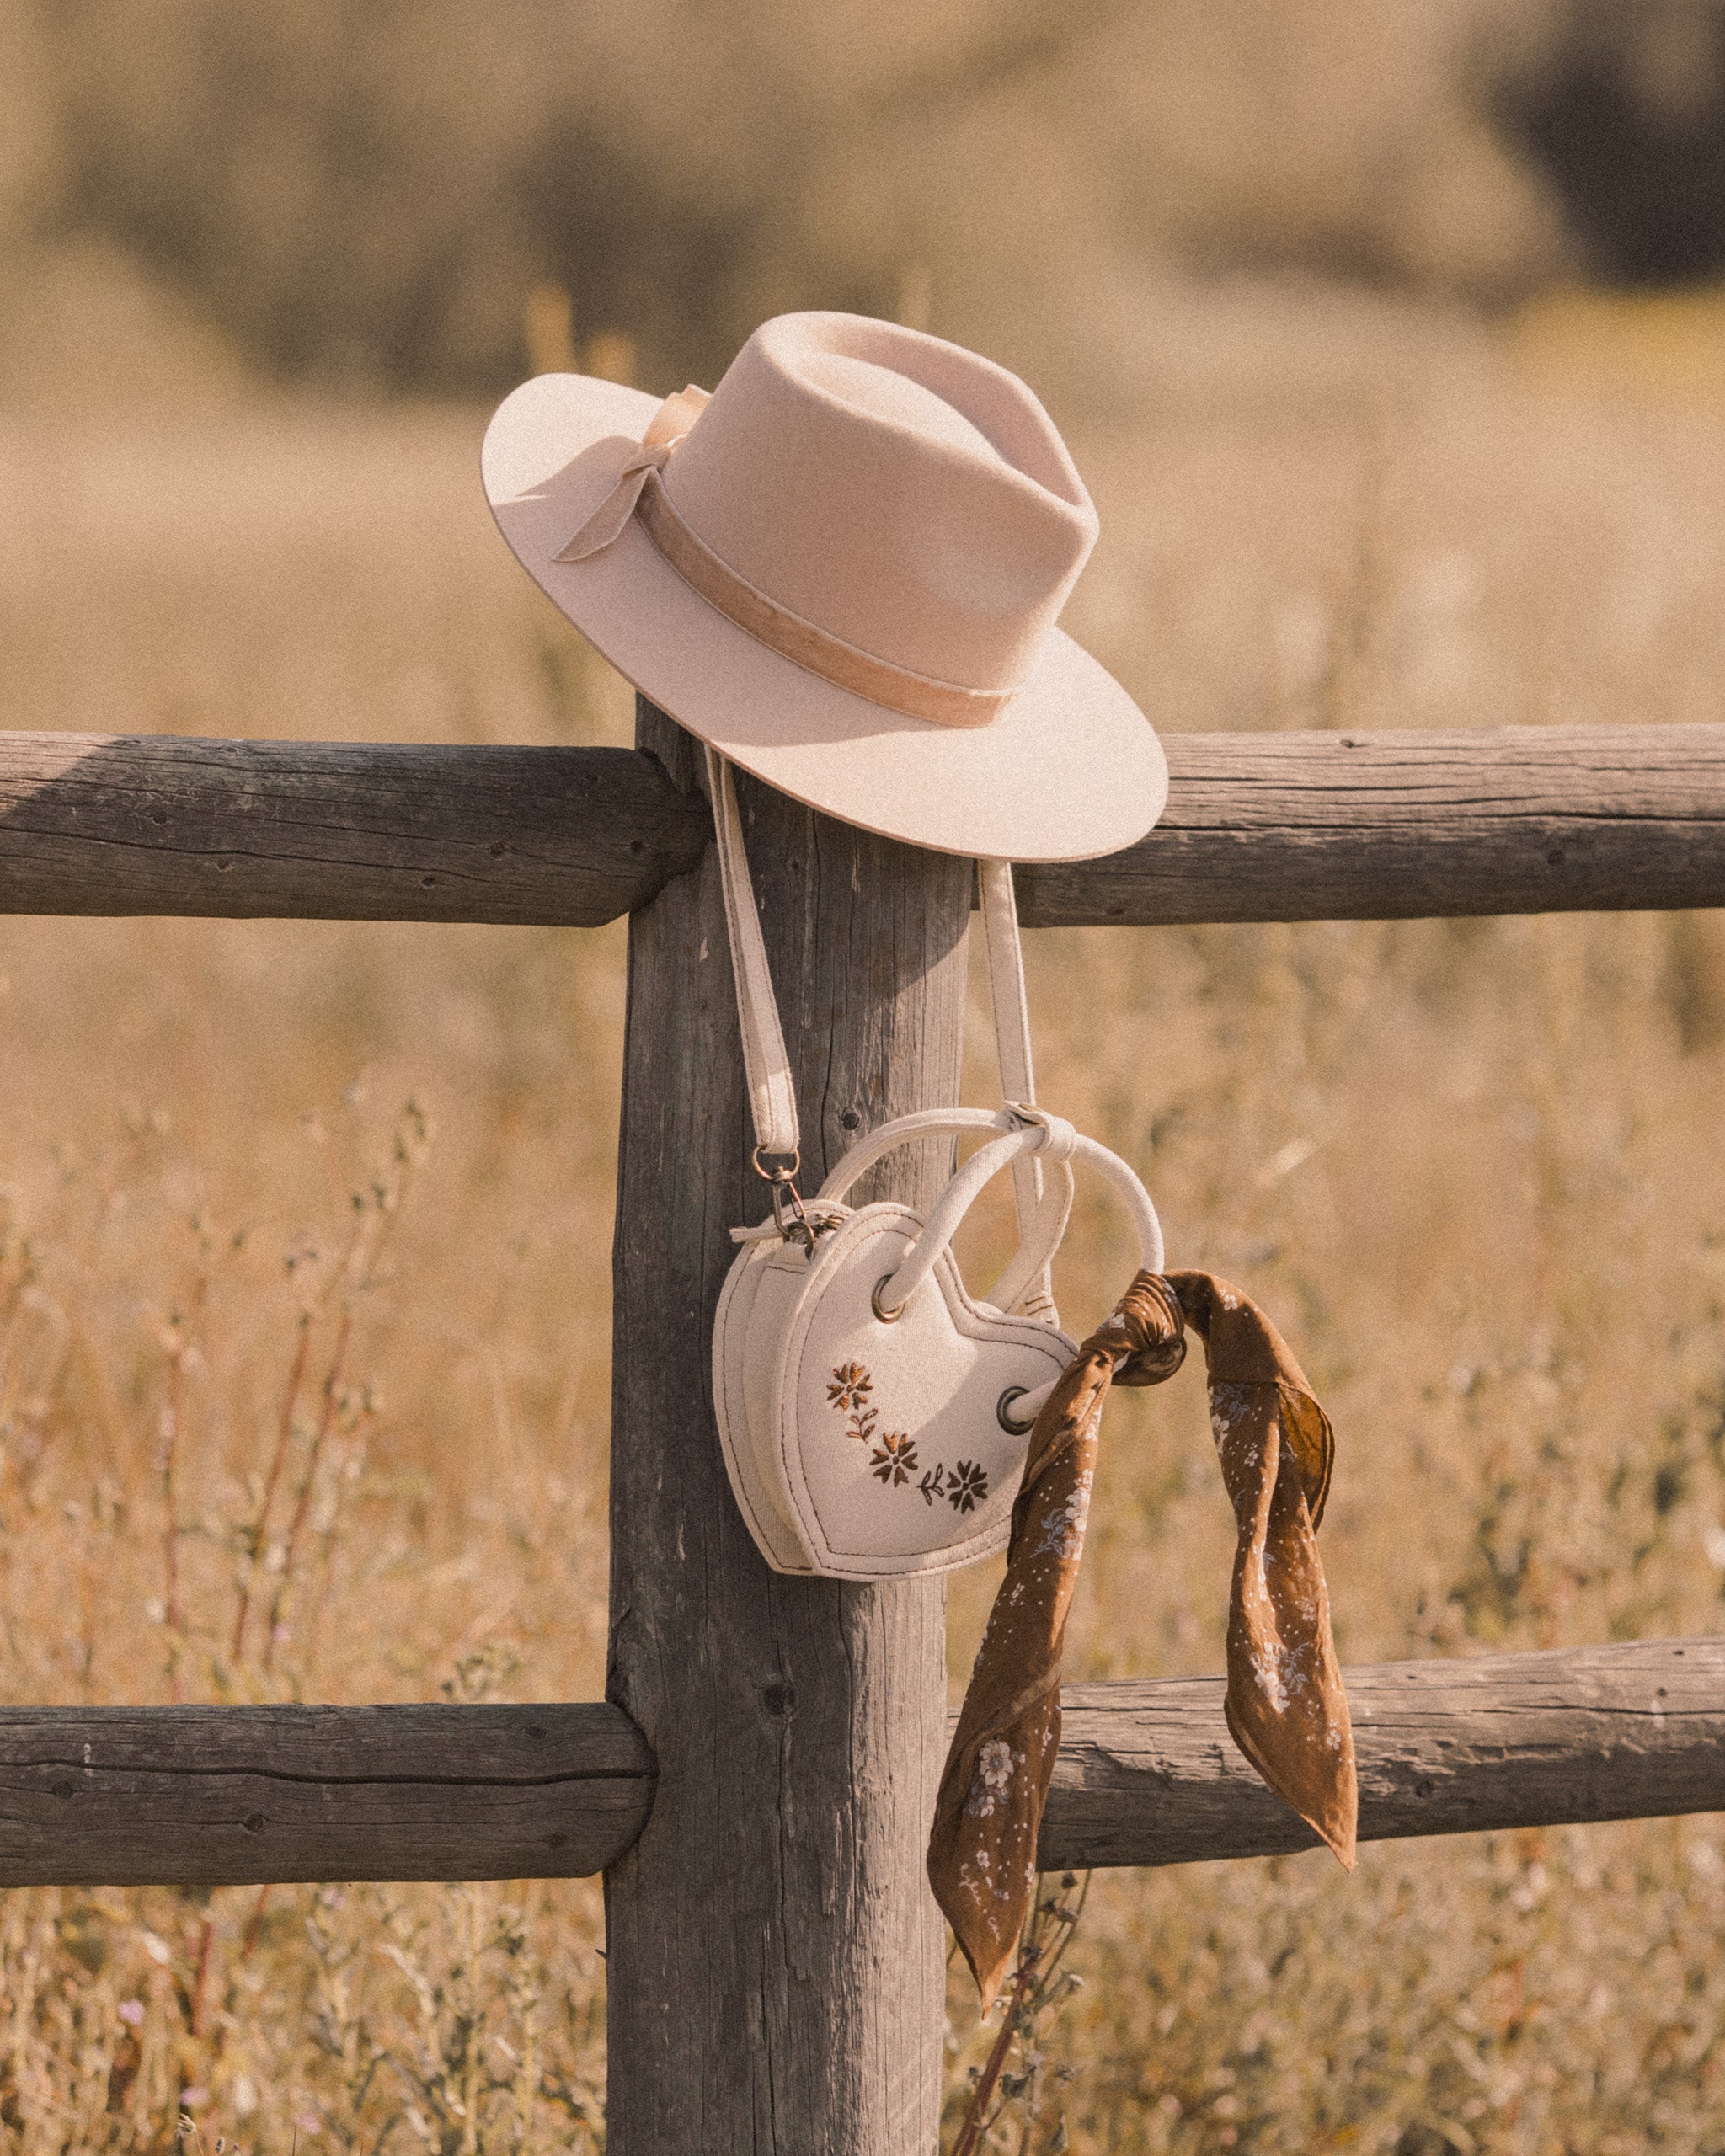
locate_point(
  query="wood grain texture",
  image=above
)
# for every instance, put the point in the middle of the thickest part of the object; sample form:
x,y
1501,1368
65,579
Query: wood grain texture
x,y
231,1796
93,824
1392,826
1148,1775
1259,827
776,1959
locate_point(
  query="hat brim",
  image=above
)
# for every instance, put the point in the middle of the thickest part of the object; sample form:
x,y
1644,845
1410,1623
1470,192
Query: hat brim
x,y
1070,770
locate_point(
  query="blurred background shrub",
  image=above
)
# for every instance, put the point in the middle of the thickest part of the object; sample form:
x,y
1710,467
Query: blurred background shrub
x,y
364,192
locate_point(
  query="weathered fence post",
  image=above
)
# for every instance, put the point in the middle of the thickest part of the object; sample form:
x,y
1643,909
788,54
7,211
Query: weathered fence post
x,y
775,1957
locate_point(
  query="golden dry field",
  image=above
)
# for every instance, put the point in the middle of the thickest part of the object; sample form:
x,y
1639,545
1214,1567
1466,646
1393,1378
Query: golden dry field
x,y
304,1279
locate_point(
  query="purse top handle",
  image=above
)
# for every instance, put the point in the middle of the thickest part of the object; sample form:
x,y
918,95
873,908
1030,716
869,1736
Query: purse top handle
x,y
1057,1140
1016,1133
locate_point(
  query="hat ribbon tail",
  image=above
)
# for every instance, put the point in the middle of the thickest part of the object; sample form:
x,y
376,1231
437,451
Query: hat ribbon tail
x,y
669,425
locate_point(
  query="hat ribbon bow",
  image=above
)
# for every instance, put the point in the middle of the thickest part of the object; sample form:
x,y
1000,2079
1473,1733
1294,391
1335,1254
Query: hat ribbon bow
x,y
669,424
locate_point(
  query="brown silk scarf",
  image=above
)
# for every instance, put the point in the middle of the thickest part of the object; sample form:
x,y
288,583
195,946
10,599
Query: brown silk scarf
x,y
1285,1704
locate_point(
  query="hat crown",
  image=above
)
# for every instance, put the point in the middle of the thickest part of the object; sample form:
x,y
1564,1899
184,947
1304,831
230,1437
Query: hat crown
x,y
901,494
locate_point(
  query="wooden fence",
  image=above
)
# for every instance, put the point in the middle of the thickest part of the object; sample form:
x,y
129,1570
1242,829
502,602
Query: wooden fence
x,y
758,1785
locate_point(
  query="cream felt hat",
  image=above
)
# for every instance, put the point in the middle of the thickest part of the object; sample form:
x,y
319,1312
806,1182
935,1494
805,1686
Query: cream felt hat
x,y
842,570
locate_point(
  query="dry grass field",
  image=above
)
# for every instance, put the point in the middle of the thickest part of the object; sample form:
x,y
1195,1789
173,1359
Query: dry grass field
x,y
304,1272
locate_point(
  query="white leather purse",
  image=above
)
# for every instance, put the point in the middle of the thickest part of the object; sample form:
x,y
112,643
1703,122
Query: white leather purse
x,y
873,1414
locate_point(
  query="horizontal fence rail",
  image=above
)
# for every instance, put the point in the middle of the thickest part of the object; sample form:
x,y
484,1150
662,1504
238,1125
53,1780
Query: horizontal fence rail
x,y
1259,827
1410,826
1147,1774
235,1795
158,824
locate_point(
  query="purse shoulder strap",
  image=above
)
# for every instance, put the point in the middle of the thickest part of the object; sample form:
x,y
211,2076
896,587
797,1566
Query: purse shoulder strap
x,y
1004,950
772,1093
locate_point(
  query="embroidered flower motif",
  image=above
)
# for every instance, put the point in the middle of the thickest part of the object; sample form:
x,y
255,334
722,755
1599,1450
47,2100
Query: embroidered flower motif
x,y
895,1458
968,1486
851,1385
846,1396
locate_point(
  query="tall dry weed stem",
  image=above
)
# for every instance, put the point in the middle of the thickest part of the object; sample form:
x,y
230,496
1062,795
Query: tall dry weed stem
x,y
291,1408
1000,2102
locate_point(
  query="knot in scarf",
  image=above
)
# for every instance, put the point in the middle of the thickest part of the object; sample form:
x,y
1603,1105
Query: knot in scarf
x,y
1150,1317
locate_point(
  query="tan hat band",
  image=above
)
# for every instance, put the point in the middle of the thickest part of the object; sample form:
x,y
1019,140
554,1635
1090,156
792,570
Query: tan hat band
x,y
945,703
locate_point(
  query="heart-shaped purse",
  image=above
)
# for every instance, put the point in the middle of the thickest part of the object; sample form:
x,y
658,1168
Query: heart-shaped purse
x,y
873,1414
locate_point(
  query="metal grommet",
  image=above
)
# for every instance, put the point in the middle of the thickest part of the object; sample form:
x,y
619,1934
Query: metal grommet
x,y
886,1316
1000,1415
